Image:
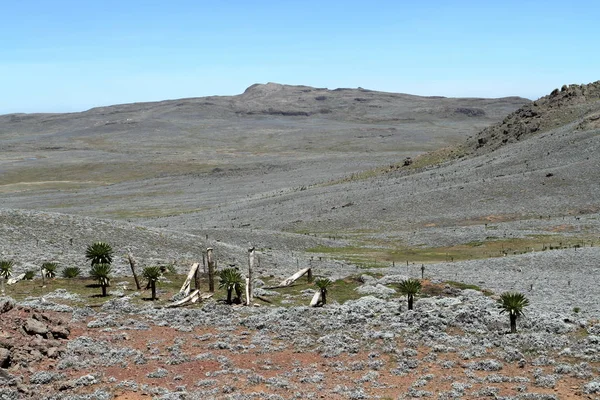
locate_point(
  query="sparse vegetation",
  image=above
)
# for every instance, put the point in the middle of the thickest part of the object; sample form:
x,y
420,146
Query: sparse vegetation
x,y
50,269
410,288
323,284
152,274
513,304
99,253
230,280
101,273
71,272
5,272
6,268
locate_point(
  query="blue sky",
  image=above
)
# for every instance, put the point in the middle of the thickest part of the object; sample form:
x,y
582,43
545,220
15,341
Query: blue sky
x,y
58,56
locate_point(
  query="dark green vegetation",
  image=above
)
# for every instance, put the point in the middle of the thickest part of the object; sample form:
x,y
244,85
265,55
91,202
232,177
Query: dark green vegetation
x,y
6,268
101,273
513,304
152,274
231,280
99,253
410,288
50,269
71,272
323,284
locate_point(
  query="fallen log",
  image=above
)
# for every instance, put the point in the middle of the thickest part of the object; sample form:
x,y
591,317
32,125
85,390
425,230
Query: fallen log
x,y
190,298
206,296
263,299
13,280
292,279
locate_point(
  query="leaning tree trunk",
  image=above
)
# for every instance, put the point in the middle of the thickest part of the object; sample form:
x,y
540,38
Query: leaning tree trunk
x,y
513,323
410,301
132,265
229,293
197,279
211,270
103,290
316,299
153,287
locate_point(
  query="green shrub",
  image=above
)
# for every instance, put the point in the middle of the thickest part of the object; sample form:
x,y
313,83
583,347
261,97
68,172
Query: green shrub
x,y
50,269
71,272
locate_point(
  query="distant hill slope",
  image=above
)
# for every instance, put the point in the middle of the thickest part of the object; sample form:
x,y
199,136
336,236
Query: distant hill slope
x,y
172,157
548,168
282,100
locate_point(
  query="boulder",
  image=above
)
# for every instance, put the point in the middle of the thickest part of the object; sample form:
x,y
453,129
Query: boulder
x,y
60,332
6,304
34,327
52,352
4,357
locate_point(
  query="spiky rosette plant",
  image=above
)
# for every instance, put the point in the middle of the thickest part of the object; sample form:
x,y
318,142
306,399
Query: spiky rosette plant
x,y
152,274
323,284
6,268
231,280
5,272
101,273
513,304
71,272
410,287
50,269
99,253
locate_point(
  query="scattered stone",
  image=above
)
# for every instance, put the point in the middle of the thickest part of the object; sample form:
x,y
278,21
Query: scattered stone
x,y
35,327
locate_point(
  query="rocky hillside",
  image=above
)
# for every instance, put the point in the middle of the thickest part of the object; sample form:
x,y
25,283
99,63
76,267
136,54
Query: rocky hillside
x,y
572,104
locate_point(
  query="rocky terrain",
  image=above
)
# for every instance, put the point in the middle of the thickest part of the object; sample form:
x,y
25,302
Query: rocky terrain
x,y
507,200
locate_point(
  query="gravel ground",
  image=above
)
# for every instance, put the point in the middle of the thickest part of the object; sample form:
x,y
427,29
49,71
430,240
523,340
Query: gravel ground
x,y
554,280
448,347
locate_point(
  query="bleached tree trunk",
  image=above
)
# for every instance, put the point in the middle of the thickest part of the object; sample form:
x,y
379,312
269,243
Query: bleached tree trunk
x,y
247,291
251,255
185,288
316,299
15,279
211,270
192,297
132,265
